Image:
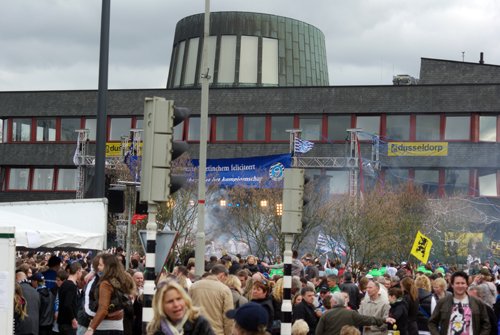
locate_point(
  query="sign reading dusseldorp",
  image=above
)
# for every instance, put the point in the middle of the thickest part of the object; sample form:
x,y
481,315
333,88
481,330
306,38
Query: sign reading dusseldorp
x,y
417,149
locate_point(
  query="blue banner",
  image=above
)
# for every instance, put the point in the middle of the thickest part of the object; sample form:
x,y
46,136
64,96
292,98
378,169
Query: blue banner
x,y
261,171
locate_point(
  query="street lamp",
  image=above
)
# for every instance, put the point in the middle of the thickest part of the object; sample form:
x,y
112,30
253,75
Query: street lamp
x,y
263,203
223,203
279,209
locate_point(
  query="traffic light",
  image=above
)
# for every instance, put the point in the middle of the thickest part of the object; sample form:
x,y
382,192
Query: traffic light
x,y
293,201
159,149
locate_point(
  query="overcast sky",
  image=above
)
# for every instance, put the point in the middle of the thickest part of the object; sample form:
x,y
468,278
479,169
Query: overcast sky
x,y
54,44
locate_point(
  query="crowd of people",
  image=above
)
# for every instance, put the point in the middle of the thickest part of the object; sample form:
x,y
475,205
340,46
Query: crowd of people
x,y
85,294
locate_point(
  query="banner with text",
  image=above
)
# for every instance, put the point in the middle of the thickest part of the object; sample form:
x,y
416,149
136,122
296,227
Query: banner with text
x,y
417,149
261,171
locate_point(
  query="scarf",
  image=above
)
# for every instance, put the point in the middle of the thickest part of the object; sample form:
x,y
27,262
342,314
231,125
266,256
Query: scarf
x,y
168,328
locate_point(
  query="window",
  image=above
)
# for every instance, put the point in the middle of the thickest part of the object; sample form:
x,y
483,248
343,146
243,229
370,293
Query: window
x,y
211,48
428,127
68,129
21,130
194,129
18,178
488,128
139,122
488,183
369,125
66,180
91,125
279,127
457,182
428,180
179,132
43,179
396,177
119,127
311,128
248,59
337,127
227,59
45,130
398,127
254,128
178,63
457,128
269,61
227,128
190,73
339,181
3,130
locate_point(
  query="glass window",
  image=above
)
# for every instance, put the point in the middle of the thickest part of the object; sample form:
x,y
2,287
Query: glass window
x,y
66,180
227,59
45,130
488,128
488,183
248,59
3,130
428,180
18,178
68,129
254,128
396,177
211,48
457,182
311,128
194,128
179,131
139,122
192,57
337,127
227,128
398,127
279,127
457,128
119,127
428,127
269,61
43,179
91,125
370,126
339,181
178,63
21,130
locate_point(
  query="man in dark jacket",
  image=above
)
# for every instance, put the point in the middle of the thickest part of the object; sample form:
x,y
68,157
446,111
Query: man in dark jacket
x,y
68,301
46,304
350,288
305,309
339,316
464,313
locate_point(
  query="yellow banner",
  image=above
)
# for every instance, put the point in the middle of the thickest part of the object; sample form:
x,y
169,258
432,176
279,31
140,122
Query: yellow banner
x,y
421,247
462,244
114,149
417,149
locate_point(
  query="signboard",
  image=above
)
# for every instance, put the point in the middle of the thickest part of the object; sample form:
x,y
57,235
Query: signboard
x,y
414,149
114,149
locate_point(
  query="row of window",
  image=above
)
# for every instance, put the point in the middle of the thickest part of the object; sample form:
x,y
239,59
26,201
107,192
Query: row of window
x,y
434,181
267,128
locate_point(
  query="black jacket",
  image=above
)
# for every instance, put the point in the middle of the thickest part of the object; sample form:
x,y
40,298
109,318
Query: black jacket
x,y
268,306
350,288
412,314
399,311
306,312
200,326
46,306
424,310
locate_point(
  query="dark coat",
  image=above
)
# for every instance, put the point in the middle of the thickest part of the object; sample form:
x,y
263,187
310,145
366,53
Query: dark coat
x,y
306,312
399,312
412,314
200,326
268,306
333,320
46,306
30,323
424,309
440,319
350,288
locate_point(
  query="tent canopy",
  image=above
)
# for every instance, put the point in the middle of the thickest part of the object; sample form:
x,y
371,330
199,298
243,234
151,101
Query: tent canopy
x,y
77,224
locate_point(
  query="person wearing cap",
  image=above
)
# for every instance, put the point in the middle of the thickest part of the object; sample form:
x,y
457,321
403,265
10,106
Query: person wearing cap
x,y
175,314
249,319
46,304
339,316
215,299
484,280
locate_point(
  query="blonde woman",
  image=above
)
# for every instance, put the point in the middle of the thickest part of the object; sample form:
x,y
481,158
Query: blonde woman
x,y
423,285
174,313
19,306
234,285
439,288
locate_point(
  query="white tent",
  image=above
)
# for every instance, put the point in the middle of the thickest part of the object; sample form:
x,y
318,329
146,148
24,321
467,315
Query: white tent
x,y
57,224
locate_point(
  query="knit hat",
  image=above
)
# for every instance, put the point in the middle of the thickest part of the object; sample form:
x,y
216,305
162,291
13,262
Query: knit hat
x,y
249,316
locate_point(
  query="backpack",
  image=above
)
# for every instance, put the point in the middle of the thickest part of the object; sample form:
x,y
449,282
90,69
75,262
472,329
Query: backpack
x,y
119,300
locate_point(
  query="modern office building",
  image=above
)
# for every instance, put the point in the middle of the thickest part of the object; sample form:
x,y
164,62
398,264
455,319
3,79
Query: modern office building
x,y
269,75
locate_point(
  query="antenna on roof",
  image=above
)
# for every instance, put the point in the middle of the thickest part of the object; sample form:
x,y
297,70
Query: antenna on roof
x,y
481,58
463,56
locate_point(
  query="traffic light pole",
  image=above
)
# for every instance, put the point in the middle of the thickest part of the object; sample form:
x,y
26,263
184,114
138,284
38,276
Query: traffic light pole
x,y
202,167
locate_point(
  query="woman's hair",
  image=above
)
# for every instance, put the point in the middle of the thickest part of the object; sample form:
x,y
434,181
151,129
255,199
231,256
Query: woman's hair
x,y
278,290
262,284
423,281
349,330
408,286
300,327
158,314
233,282
19,302
114,271
295,297
441,282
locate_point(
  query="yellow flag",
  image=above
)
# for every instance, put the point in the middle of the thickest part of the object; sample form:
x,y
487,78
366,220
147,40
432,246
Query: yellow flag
x,y
421,247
